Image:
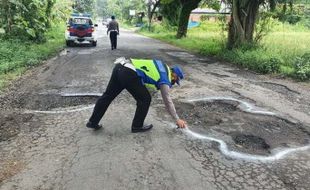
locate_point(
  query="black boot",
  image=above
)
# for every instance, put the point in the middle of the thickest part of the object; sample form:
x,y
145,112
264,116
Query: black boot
x,y
90,125
141,129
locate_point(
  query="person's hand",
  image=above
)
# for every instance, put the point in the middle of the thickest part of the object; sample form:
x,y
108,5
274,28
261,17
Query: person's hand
x,y
181,123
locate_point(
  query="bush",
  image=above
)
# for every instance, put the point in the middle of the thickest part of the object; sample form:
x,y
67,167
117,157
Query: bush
x,y
16,53
254,59
270,66
302,67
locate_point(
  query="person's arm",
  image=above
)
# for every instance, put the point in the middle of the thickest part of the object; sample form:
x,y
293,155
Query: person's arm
x,y
164,89
108,26
117,29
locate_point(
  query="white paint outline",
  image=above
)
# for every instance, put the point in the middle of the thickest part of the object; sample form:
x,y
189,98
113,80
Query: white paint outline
x,y
80,94
277,153
61,111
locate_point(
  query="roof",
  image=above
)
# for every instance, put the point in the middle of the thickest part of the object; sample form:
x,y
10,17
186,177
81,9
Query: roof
x,y
223,10
85,15
210,11
80,17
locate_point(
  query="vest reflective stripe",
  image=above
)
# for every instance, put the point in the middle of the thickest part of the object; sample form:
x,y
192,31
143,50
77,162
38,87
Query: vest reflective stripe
x,y
153,72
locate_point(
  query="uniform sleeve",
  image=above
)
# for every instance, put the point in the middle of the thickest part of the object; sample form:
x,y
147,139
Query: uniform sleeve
x,y
108,26
164,89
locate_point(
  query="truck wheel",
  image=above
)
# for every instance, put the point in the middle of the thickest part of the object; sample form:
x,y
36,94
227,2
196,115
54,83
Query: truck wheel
x,y
69,43
94,43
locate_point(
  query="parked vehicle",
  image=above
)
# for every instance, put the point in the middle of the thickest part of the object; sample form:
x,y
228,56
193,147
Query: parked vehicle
x,y
80,29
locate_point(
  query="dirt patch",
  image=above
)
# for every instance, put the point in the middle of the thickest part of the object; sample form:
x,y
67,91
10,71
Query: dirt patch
x,y
245,74
217,75
48,102
249,133
9,168
11,123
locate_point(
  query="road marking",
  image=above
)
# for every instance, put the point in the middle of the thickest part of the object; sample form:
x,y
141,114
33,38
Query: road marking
x,y
61,111
277,154
80,94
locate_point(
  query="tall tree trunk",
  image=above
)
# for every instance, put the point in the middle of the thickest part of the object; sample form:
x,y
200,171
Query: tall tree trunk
x,y
242,22
48,11
8,17
186,9
151,13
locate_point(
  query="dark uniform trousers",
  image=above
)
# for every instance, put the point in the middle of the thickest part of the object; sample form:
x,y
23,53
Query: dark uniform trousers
x,y
113,39
123,78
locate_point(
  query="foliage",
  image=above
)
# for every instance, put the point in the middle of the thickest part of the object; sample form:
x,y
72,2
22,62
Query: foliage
x,y
256,59
302,67
61,10
84,6
27,19
276,54
101,8
171,17
120,8
17,55
263,26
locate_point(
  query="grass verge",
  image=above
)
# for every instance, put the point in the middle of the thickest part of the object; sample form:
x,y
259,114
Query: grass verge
x,y
280,51
17,56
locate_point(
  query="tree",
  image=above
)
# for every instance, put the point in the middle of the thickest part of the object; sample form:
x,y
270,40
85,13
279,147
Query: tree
x,y
84,6
102,8
242,22
151,7
27,19
172,17
182,10
186,9
48,12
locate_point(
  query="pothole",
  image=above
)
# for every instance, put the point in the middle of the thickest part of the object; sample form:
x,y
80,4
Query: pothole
x,y
217,75
277,87
250,142
243,130
45,102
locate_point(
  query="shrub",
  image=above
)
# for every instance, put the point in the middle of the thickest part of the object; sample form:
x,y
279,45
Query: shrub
x,y
302,67
270,66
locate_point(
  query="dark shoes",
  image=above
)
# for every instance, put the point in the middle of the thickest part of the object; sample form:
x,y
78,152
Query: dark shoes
x,y
90,125
141,129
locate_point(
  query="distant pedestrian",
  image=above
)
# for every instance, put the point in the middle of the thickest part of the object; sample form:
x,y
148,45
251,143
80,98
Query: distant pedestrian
x,y
114,31
137,76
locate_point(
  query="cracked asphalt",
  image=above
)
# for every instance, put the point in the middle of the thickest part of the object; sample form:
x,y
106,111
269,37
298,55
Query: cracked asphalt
x,y
45,145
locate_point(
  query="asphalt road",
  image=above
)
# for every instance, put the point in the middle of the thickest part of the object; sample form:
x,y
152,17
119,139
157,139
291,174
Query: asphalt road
x,y
246,131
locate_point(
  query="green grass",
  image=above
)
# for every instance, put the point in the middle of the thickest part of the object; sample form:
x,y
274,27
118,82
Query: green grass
x,y
277,52
17,56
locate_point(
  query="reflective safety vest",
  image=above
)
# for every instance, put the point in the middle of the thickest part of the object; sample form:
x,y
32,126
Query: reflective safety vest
x,y
152,72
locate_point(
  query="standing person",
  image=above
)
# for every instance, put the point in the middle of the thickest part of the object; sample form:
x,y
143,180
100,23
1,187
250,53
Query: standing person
x,y
135,75
114,31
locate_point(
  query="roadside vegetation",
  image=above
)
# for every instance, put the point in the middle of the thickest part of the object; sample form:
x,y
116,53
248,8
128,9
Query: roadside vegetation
x,y
17,55
30,32
273,39
284,50
283,47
